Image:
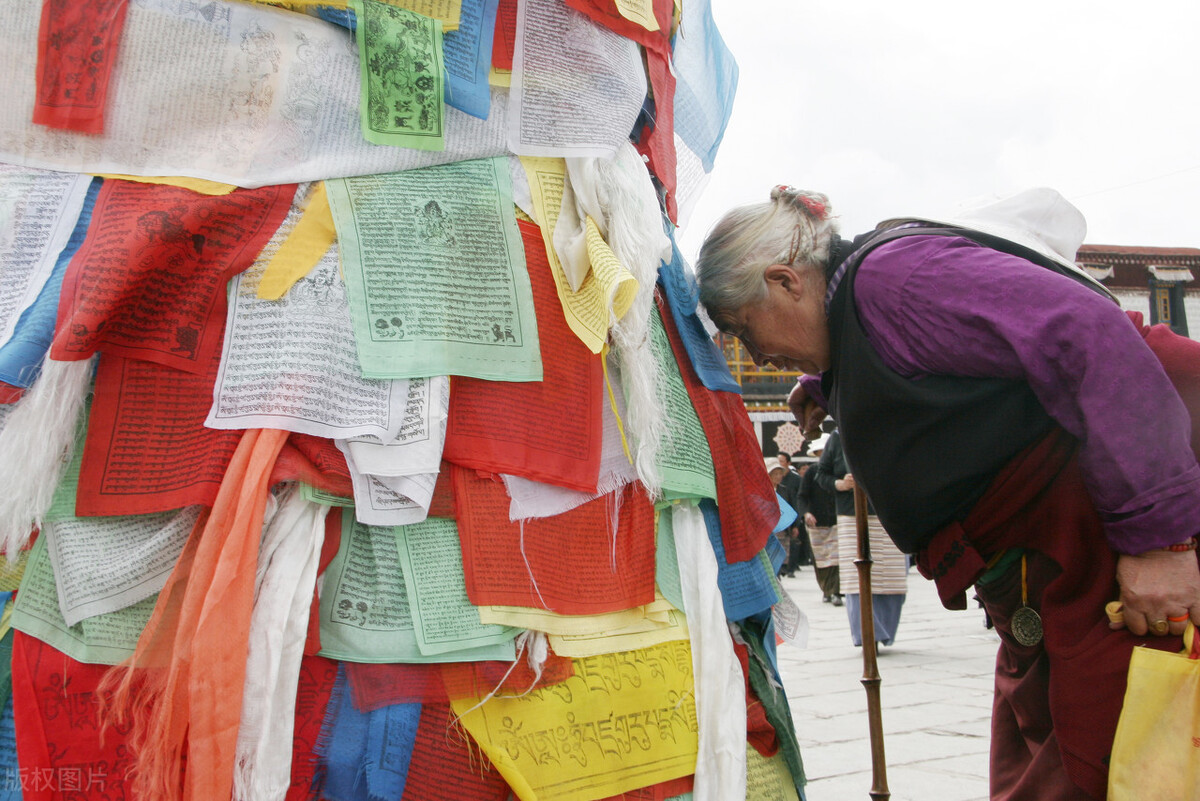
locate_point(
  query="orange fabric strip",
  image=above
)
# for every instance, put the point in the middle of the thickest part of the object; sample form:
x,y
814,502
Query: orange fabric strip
x,y
186,708
222,622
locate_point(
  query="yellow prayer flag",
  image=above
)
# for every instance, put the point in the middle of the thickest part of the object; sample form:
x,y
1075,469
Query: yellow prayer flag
x,y
625,720
654,628
525,617
500,77
12,572
547,177
313,235
617,285
768,778
528,617
195,184
639,11
608,286
6,619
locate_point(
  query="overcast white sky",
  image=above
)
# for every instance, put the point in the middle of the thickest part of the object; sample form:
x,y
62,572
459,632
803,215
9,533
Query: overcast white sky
x,y
895,108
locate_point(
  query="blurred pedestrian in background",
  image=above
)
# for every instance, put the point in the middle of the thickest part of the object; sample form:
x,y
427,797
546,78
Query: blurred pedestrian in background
x,y
817,507
889,566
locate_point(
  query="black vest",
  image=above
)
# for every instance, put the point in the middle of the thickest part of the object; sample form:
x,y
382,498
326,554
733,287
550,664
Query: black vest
x,y
924,450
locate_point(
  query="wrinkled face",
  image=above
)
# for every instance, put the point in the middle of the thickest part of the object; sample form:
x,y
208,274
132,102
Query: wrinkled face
x,y
788,328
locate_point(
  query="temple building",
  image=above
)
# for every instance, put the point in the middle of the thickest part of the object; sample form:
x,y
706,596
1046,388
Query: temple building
x,y
1159,282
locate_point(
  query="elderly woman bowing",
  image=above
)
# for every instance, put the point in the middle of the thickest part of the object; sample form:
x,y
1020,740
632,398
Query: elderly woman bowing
x,y
1013,430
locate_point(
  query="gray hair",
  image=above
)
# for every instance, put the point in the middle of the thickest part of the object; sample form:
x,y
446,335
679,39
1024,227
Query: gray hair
x,y
793,227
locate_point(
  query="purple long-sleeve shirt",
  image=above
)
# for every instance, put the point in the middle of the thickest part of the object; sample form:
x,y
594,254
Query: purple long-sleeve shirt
x,y
946,305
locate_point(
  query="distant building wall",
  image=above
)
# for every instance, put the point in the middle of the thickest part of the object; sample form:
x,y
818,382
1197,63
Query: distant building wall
x,y
1139,301
1159,282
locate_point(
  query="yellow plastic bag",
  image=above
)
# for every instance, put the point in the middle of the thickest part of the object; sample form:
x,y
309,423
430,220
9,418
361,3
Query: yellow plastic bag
x,y
1156,751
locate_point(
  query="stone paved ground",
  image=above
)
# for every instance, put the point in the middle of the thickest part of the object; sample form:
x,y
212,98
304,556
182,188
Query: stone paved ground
x,y
936,695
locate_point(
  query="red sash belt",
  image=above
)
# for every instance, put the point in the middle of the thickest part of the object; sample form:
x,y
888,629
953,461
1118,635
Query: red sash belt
x,y
1039,503
958,554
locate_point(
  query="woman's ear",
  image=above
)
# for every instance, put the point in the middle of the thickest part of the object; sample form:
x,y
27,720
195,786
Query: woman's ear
x,y
786,277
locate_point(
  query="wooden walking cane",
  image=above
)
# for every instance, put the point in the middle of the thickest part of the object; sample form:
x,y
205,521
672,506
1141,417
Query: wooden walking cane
x,y
870,679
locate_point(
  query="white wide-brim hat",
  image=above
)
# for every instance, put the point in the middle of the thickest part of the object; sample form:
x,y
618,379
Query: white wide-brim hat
x,y
1040,219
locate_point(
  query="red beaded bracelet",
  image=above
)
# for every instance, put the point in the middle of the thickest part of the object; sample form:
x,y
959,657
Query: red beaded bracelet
x,y
1189,545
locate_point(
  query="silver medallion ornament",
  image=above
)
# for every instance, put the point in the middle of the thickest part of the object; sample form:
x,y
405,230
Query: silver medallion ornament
x,y
1026,626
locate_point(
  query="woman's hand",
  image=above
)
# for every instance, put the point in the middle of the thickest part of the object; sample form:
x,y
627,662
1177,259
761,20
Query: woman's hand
x,y
1156,586
810,519
808,413
845,483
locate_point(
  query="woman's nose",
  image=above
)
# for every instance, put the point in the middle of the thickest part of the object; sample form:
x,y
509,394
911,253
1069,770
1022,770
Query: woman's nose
x,y
760,359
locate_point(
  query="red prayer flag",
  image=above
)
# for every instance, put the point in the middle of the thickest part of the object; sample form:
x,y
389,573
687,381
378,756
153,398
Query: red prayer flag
x,y
504,37
147,449
746,500
604,12
61,747
581,562
469,679
657,792
445,757
317,675
442,503
9,393
329,549
149,280
759,731
315,461
376,685
547,430
77,47
657,142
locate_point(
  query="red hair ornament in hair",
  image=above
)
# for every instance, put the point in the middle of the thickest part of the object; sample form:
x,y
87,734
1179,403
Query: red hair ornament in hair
x,y
816,208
